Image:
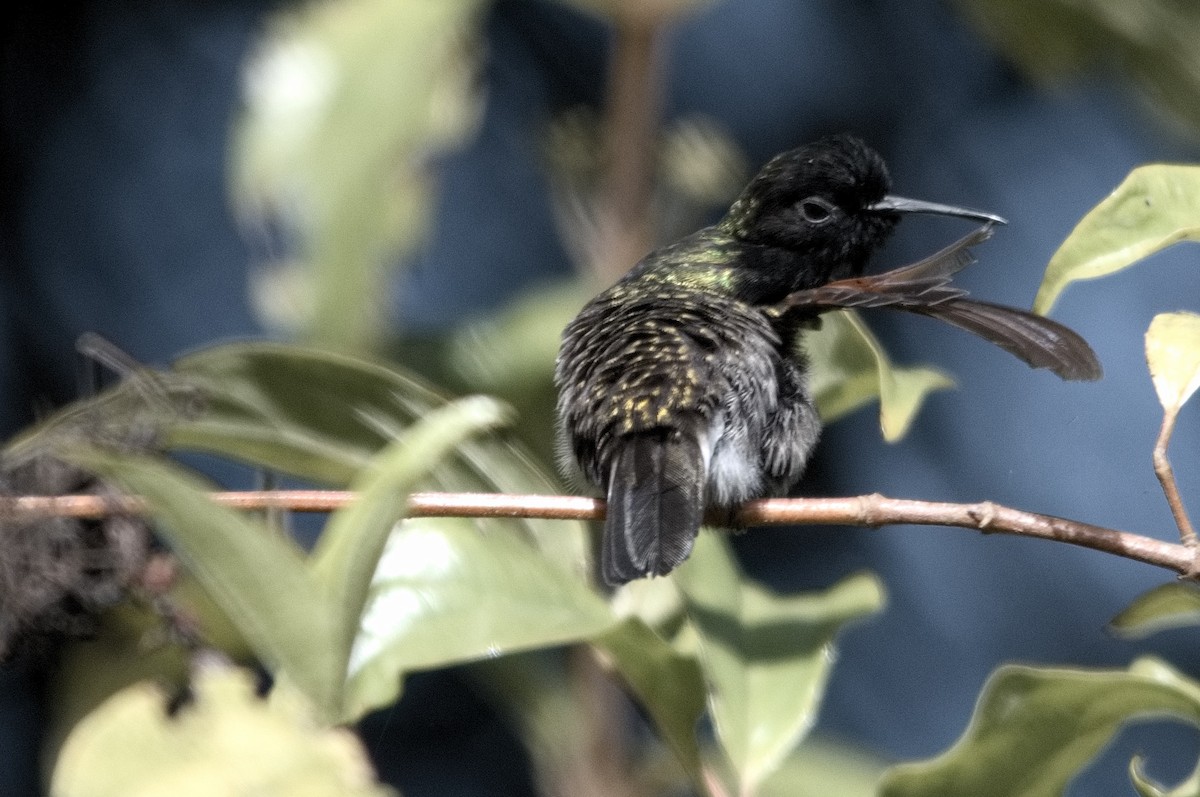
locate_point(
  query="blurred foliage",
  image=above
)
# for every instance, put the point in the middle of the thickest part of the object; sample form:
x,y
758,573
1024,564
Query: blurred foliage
x,y
345,105
1153,42
222,741
340,626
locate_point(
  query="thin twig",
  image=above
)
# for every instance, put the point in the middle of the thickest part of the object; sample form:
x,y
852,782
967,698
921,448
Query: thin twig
x,y
866,510
1166,477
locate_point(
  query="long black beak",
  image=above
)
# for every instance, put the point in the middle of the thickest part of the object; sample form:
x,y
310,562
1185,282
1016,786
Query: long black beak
x,y
899,204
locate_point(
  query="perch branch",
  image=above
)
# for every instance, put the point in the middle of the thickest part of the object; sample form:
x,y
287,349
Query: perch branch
x,y
865,510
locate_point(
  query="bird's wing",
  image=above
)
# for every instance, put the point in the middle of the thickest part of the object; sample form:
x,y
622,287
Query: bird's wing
x,y
922,283
924,287
1035,339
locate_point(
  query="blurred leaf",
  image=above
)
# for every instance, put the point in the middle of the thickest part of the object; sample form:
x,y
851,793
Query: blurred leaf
x,y
284,617
820,768
1152,41
511,354
507,351
669,685
224,741
850,368
346,103
1035,728
1173,605
322,416
306,412
349,548
446,592
130,414
1173,354
1154,207
1148,788
701,162
767,658
657,602
88,672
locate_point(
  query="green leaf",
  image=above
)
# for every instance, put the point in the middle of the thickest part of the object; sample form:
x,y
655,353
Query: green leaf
x,y
224,741
1173,605
850,368
1173,354
1035,728
349,548
668,684
821,768
446,592
767,657
256,576
306,412
1155,206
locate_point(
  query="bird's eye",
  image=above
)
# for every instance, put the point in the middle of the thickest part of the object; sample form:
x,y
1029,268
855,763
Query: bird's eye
x,y
816,210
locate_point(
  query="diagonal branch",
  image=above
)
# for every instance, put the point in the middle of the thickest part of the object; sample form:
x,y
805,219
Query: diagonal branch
x,y
865,510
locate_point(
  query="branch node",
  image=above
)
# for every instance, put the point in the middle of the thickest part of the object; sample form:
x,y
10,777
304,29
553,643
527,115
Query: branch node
x,y
868,510
984,515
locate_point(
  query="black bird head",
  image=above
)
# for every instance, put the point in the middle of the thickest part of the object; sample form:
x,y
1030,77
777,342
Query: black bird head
x,y
828,202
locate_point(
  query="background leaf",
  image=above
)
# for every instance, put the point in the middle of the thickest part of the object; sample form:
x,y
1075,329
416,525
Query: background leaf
x,y
345,104
850,368
1035,728
1173,605
1149,41
1154,207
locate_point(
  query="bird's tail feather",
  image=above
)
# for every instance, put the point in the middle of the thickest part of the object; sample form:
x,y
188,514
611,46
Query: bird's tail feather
x,y
655,505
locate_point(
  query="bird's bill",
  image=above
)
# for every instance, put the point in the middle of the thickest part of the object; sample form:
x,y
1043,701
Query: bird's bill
x,y
899,204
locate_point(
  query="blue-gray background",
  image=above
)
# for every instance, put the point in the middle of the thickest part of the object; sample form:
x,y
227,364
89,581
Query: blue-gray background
x,y
115,219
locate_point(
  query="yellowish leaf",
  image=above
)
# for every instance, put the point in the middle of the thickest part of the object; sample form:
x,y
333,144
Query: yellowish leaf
x,y
225,741
1173,354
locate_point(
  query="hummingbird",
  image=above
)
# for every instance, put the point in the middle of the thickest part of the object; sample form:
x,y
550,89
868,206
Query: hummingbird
x,y
682,388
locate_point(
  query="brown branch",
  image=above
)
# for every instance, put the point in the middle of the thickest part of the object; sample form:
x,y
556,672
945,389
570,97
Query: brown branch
x,y
632,115
1166,477
866,510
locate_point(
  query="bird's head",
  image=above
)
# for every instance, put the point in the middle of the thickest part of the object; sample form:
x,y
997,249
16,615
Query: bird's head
x,y
827,202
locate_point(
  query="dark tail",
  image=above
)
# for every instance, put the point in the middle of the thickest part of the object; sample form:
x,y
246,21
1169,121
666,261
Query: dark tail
x,y
655,506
